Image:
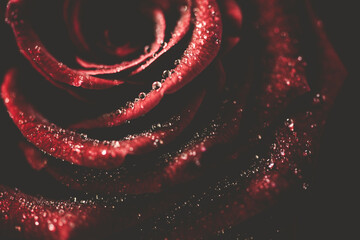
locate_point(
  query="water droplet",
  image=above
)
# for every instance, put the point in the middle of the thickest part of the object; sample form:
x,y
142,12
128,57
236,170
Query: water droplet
x,y
306,153
309,113
184,8
290,124
284,34
142,95
77,83
156,85
51,227
282,152
177,62
166,74
147,49
271,165
163,44
130,105
305,186
318,98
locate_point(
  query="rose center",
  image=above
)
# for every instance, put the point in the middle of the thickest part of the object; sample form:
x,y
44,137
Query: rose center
x,y
114,30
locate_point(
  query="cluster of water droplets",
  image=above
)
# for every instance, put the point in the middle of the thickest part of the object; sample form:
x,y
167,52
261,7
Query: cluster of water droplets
x,y
14,16
155,86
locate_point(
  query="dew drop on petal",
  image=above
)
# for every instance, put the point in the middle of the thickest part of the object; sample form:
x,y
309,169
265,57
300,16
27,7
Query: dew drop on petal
x,y
271,165
142,95
147,49
163,44
130,104
305,186
156,85
51,227
166,74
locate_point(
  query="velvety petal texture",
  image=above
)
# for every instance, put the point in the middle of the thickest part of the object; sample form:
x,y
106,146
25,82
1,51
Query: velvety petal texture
x,y
175,119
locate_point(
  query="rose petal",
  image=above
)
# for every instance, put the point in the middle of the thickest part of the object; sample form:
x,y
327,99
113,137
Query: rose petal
x,y
202,50
181,28
220,131
76,148
160,26
32,48
223,198
71,17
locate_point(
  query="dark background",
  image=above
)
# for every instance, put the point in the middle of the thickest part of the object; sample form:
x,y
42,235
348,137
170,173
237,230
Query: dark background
x,y
326,210
329,210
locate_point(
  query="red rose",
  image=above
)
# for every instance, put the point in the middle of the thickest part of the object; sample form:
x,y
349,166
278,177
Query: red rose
x,y
161,119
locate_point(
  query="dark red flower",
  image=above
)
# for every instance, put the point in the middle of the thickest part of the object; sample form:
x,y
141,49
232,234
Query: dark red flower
x,y
174,119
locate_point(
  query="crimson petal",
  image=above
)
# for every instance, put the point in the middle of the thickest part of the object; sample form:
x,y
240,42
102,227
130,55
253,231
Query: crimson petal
x,y
71,14
202,49
181,28
31,217
223,201
221,130
76,148
241,193
160,26
33,49
233,198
